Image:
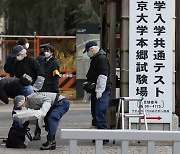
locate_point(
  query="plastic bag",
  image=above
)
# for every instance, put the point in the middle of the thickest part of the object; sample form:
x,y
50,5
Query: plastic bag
x,y
87,97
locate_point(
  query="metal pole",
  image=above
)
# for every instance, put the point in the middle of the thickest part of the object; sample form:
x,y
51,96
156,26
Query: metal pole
x,y
112,44
177,56
101,22
124,54
34,44
103,25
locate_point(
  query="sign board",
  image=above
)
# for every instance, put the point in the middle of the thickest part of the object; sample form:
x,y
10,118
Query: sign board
x,y
85,33
150,58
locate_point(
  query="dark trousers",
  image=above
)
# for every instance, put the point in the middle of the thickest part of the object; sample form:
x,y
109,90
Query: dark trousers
x,y
99,108
54,115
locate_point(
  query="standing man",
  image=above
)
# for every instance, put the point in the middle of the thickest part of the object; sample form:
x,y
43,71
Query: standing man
x,y
50,65
98,73
41,55
8,66
29,65
51,69
25,64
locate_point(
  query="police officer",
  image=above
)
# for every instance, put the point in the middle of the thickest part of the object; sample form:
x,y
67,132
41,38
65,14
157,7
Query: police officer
x,y
98,73
51,69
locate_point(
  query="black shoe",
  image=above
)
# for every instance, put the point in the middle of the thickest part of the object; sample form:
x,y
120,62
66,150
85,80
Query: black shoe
x,y
37,137
47,142
93,141
50,144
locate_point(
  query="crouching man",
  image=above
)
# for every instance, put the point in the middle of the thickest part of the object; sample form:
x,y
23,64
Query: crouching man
x,y
43,105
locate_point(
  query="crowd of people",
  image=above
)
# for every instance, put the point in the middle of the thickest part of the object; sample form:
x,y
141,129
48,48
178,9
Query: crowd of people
x,y
34,86
33,81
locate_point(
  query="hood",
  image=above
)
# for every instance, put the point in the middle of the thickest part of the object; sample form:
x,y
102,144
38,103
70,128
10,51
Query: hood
x,y
100,52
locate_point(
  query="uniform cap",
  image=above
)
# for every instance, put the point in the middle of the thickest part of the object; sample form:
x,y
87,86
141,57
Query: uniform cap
x,y
50,47
44,45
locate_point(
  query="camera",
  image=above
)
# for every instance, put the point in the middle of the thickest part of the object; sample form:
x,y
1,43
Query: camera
x,y
89,87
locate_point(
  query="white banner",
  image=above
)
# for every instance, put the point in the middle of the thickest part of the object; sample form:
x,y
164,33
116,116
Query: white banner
x,y
150,58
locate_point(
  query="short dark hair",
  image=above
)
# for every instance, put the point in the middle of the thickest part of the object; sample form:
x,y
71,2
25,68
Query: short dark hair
x,y
22,41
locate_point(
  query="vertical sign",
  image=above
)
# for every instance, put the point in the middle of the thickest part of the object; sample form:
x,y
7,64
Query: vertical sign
x,y
85,33
150,58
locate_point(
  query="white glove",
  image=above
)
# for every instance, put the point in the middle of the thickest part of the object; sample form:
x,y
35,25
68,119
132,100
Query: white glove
x,y
100,85
38,83
98,95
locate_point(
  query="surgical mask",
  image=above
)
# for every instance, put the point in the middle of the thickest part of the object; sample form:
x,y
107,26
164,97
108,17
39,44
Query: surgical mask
x,y
26,45
47,54
19,58
89,54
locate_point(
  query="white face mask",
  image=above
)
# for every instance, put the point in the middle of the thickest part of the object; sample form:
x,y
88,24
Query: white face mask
x,y
47,54
19,58
26,46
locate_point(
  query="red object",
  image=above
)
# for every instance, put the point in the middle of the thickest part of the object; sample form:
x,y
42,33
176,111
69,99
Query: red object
x,y
153,118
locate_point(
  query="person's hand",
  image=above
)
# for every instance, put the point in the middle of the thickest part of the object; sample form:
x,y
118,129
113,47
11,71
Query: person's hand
x,y
98,95
41,121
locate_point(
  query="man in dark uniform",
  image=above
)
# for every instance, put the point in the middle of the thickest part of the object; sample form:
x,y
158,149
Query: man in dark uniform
x,y
41,56
98,74
51,69
51,84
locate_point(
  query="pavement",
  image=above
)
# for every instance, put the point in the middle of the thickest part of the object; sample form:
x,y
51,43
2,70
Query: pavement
x,y
84,146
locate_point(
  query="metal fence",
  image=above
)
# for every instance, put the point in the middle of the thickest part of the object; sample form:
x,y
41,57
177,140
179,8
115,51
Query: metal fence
x,y
65,51
73,135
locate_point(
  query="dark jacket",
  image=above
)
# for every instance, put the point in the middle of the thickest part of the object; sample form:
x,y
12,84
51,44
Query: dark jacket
x,y
30,66
9,88
8,66
99,65
41,59
51,69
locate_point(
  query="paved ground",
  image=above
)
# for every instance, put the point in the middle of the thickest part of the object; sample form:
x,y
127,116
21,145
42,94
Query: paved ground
x,y
77,117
